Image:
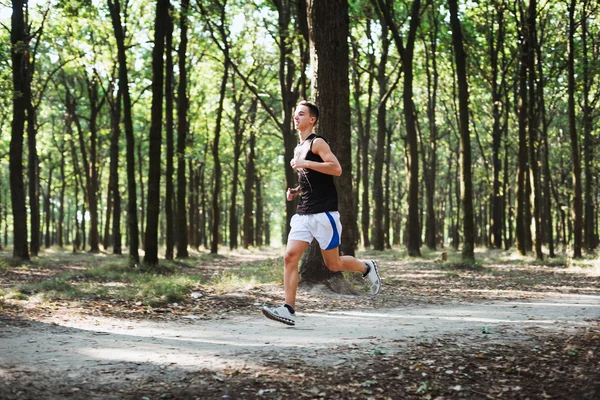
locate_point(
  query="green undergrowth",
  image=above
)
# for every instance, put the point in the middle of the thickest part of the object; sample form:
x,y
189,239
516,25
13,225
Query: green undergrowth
x,y
248,274
110,277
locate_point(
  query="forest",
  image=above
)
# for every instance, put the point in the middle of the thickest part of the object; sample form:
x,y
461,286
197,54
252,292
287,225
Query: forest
x,y
161,126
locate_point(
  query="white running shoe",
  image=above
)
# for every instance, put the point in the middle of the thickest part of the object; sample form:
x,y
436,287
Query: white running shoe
x,y
280,314
373,276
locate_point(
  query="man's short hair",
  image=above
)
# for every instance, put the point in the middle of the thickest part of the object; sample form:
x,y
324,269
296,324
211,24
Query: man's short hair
x,y
313,110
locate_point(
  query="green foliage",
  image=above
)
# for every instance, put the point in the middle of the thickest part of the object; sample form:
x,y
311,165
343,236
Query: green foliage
x,y
77,46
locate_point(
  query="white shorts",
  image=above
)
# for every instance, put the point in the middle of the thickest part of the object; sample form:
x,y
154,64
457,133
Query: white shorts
x,y
325,227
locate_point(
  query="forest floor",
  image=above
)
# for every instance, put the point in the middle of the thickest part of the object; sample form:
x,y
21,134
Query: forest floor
x,y
511,328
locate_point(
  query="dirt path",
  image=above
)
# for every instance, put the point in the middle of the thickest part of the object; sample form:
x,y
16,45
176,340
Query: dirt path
x,y
100,357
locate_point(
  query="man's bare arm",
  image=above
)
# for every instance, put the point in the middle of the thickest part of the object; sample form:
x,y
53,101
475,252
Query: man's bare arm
x,y
330,164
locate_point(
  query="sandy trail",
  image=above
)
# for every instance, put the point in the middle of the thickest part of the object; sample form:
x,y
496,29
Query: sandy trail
x,y
82,345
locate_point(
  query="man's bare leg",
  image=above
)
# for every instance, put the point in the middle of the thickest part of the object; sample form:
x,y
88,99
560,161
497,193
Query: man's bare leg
x,y
344,263
293,252
368,269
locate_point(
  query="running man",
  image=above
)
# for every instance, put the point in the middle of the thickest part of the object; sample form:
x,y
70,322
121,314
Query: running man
x,y
317,215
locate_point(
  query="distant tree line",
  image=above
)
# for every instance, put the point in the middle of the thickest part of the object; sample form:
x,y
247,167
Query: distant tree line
x,y
163,126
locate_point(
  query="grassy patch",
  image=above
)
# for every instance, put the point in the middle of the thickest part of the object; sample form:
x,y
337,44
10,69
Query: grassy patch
x,y
249,274
92,276
158,290
108,278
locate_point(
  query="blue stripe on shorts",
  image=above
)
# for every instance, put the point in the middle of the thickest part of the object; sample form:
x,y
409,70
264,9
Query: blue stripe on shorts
x,y
335,240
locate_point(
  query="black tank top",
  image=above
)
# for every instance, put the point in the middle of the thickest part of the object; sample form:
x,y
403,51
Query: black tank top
x,y
318,192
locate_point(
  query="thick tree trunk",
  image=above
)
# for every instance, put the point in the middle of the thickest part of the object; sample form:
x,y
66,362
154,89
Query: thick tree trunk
x,y
155,138
132,217
328,32
20,57
182,128
468,254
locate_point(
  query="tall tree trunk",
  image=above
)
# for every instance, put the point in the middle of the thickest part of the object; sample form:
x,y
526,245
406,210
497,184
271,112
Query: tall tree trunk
x,y
33,169
132,218
215,234
169,195
143,198
182,128
523,221
431,166
406,54
328,33
574,136
468,251
533,128
388,186
588,146
289,92
47,212
114,196
238,135
364,134
92,167
20,57
378,161
60,232
260,228
155,139
250,182
496,48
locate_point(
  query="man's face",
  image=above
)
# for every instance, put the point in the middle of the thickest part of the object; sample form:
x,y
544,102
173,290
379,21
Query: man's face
x,y
302,118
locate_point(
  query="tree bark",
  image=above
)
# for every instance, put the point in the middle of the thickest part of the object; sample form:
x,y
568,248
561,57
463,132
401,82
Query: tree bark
x,y
33,167
114,197
182,128
533,128
574,136
406,54
169,195
132,218
364,135
248,227
496,48
60,232
523,222
155,138
328,32
20,57
47,212
588,144
468,251
378,161
431,165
